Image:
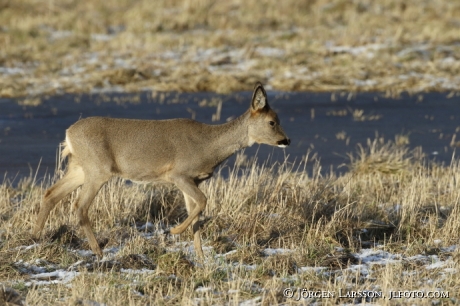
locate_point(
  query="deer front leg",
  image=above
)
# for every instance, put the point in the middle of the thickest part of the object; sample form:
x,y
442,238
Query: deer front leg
x,y
190,205
189,187
197,238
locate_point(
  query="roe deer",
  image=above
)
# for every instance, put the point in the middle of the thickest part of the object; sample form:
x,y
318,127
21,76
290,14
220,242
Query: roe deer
x,y
181,151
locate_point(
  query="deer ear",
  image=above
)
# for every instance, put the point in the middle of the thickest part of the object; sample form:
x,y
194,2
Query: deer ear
x,y
259,98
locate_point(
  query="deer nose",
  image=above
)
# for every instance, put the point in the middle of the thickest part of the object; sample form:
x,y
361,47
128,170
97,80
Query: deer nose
x,y
284,142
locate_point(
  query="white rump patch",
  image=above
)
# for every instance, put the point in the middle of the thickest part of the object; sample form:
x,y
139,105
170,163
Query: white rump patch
x,y
66,148
69,145
282,146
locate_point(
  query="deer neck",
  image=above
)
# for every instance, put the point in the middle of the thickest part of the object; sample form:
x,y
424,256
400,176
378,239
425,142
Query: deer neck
x,y
230,137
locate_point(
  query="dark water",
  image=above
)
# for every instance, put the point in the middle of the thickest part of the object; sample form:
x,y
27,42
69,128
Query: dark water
x,y
30,135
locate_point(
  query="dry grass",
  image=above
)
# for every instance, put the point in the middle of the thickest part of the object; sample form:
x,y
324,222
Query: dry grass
x,y
391,199
59,46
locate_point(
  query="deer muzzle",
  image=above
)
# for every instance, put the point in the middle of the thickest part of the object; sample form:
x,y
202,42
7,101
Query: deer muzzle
x,y
284,143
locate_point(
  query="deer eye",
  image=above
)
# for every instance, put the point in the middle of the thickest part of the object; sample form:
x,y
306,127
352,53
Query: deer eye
x,y
272,123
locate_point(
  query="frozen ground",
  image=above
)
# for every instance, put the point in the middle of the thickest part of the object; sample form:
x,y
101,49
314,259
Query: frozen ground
x,y
367,266
123,73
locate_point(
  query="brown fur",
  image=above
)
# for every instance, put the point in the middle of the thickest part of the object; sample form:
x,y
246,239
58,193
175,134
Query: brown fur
x,y
181,151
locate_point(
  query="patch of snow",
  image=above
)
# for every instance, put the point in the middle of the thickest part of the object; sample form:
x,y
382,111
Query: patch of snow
x,y
251,302
429,80
450,270
134,271
32,268
137,293
312,269
226,254
373,256
123,63
28,247
90,303
110,253
202,55
92,58
448,61
362,269
28,268
12,71
361,304
271,252
171,55
203,289
451,248
437,264
421,49
84,253
363,83
417,257
112,250
270,52
246,267
56,35
58,277
188,247
149,226
101,37
72,71
150,230
107,89
246,65
73,266
147,235
367,50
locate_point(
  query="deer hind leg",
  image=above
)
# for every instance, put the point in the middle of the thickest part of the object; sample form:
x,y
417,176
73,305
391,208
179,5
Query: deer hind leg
x,y
71,181
190,205
197,237
87,194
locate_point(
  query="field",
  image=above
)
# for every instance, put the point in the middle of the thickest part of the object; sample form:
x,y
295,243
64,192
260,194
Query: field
x,y
53,46
388,225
